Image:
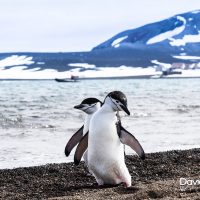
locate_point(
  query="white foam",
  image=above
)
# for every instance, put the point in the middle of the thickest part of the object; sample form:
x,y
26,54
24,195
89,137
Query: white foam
x,y
169,34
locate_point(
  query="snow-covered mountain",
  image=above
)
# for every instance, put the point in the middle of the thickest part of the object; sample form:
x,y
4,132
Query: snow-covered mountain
x,y
174,41
178,35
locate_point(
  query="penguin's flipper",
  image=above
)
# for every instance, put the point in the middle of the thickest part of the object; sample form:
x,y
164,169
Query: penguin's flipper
x,y
81,148
73,141
128,139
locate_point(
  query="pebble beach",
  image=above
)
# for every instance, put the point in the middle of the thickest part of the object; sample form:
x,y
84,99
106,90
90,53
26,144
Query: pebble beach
x,y
157,177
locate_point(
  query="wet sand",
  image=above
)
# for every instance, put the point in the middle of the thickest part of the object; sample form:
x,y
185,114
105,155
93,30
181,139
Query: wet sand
x,y
157,177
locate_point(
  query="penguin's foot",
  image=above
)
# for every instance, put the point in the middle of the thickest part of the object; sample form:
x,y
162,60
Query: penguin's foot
x,y
108,185
127,184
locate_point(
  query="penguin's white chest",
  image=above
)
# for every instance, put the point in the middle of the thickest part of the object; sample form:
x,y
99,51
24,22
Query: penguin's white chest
x,y
104,146
103,131
105,151
86,123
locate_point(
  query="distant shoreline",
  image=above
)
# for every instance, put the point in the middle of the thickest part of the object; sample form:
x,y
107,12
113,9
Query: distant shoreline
x,y
105,78
156,177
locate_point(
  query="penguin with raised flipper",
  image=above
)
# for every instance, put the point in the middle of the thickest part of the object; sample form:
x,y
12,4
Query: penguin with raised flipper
x,y
105,143
89,106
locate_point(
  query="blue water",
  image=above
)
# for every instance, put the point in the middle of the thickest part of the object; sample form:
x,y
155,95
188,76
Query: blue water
x,y
37,117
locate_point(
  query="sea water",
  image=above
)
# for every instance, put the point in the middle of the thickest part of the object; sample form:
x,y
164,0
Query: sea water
x,y
37,118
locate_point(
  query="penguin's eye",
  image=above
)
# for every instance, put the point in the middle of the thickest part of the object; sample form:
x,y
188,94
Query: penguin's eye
x,y
117,101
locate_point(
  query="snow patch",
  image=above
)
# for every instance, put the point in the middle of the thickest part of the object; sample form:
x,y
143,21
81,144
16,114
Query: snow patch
x,y
196,11
169,34
183,54
163,65
34,69
117,45
116,42
40,63
187,57
184,40
181,19
16,60
22,72
82,65
122,71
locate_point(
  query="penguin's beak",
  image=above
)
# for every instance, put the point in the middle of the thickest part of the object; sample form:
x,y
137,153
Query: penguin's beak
x,y
79,106
125,109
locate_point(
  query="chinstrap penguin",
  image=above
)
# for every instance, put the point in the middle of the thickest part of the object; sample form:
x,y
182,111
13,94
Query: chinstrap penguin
x,y
104,141
89,106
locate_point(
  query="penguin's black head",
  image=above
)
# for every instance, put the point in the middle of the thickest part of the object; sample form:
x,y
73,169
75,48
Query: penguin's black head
x,y
91,100
89,105
119,101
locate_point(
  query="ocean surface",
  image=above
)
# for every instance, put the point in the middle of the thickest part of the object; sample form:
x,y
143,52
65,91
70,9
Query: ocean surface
x,y
37,117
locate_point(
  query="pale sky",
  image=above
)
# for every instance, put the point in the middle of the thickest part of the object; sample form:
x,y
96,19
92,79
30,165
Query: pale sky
x,y
77,25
